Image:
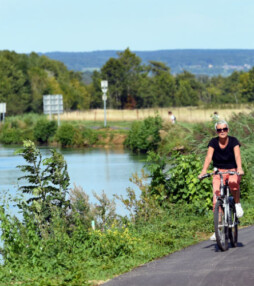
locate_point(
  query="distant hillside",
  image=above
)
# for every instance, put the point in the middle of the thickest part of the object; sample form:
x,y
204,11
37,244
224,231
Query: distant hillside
x,y
198,62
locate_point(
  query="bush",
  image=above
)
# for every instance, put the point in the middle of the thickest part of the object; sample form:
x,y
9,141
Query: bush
x,y
30,119
174,137
144,135
44,129
11,135
176,179
65,134
90,136
84,136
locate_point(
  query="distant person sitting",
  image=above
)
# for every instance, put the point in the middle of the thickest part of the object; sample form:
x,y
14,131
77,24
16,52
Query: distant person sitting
x,y
172,117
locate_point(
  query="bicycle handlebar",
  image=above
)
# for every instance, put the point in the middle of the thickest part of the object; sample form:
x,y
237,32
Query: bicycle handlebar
x,y
219,173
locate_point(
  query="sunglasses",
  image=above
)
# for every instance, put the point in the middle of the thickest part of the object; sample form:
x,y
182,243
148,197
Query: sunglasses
x,y
219,130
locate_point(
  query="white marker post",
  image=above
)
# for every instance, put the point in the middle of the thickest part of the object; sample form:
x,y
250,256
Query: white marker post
x,y
104,88
2,109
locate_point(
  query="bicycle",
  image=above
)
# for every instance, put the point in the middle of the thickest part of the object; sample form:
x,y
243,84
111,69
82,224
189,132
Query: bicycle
x,y
225,219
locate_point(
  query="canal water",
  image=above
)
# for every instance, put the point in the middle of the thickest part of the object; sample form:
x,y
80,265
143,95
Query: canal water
x,y
95,170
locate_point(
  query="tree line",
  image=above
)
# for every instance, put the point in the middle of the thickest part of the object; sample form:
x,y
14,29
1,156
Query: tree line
x,y
133,85
24,79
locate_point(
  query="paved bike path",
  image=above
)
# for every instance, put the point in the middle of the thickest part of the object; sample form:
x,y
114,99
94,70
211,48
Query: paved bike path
x,y
202,264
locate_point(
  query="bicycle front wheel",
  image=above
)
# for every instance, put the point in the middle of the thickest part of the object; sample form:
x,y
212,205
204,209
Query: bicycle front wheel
x,y
233,222
220,226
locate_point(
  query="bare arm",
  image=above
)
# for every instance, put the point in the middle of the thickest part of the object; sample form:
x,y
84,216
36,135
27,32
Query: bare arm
x,y
238,160
208,160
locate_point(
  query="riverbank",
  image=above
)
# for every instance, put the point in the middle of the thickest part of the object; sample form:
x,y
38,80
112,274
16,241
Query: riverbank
x,y
78,129
76,134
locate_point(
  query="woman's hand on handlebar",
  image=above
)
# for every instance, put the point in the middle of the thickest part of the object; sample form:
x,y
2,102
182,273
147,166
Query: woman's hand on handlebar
x,y
240,171
201,174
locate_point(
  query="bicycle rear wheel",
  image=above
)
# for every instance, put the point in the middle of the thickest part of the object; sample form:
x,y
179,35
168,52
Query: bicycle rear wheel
x,y
220,227
233,229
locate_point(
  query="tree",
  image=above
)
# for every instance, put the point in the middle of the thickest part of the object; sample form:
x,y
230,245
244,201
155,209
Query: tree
x,y
185,95
131,74
113,72
247,86
231,89
123,75
14,82
188,89
164,84
96,94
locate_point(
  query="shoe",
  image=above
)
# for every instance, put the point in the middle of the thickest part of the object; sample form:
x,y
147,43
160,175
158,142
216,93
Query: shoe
x,y
239,210
213,237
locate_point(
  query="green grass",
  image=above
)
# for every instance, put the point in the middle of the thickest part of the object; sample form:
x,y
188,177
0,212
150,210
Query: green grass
x,y
170,231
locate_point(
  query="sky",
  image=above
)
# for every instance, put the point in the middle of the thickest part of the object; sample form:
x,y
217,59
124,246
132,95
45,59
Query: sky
x,y
141,25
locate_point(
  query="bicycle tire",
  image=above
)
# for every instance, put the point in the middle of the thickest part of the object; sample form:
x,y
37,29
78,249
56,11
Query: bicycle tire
x,y
233,231
220,227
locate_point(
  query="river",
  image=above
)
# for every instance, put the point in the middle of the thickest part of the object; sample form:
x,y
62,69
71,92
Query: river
x,y
92,169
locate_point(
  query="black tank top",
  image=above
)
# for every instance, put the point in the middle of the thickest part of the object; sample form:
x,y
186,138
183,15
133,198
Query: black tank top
x,y
224,158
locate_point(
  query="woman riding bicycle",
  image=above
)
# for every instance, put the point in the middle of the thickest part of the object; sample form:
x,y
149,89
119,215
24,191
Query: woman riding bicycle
x,y
224,150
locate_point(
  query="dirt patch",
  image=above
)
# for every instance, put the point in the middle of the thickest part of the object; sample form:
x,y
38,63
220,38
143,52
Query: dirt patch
x,y
112,139
119,139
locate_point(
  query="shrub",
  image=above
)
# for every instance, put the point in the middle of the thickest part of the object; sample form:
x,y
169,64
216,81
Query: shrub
x,y
10,135
176,179
90,136
144,135
44,129
112,243
30,119
65,134
174,137
103,213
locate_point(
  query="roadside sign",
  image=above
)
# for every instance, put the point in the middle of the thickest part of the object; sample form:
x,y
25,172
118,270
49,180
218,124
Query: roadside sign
x,y
53,104
2,107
